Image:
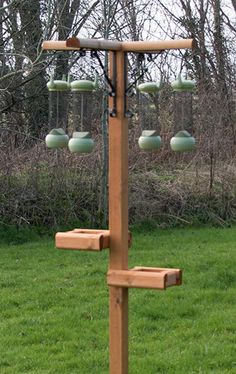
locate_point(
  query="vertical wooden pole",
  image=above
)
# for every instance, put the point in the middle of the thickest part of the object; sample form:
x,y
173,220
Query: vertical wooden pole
x,y
118,220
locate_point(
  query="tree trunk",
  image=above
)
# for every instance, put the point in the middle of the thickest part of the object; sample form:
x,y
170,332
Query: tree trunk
x,y
221,64
35,82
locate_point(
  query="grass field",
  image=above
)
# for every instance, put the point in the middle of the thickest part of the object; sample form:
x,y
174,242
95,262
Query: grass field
x,y
54,307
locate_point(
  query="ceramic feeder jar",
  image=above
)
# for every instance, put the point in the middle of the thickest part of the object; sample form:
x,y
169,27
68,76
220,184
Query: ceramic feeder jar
x,y
84,85
58,85
81,142
182,142
183,85
58,91
57,138
149,141
149,87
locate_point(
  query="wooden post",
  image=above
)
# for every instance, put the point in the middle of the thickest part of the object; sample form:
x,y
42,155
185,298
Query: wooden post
x,y
118,220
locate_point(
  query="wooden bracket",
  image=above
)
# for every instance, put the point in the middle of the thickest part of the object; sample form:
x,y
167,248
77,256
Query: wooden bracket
x,y
145,277
85,239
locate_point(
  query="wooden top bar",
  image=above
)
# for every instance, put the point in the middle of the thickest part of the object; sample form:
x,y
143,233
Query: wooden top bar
x,y
56,45
73,44
157,45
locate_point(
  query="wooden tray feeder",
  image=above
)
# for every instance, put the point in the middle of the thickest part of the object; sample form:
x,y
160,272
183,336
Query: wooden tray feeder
x,y
145,277
85,239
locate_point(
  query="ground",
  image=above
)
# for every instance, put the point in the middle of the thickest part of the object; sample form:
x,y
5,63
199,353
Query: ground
x,y
54,306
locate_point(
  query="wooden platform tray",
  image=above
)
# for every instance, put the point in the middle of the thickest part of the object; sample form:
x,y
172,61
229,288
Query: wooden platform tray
x,y
145,277
84,239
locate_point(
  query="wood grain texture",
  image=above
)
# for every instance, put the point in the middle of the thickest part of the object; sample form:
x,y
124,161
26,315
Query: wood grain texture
x,y
118,220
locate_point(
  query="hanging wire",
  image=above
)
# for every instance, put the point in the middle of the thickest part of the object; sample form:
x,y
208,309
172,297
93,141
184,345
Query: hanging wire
x,y
82,113
145,64
57,108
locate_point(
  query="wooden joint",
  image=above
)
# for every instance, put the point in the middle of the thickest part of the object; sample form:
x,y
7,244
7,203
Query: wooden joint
x,y
85,239
145,277
73,43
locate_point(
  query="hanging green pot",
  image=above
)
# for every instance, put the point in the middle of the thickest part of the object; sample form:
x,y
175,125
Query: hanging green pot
x,y
81,142
149,140
182,142
183,85
58,85
84,85
149,87
57,138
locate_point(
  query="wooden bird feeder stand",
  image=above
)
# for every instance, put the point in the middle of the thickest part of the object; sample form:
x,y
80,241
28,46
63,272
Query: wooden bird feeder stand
x,y
118,238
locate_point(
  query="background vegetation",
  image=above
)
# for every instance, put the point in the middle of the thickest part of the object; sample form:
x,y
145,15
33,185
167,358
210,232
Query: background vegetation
x,y
54,307
43,187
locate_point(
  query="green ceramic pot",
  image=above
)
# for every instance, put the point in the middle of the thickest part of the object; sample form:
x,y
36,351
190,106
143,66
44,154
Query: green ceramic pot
x,y
58,85
149,141
57,138
149,87
182,142
81,142
84,85
183,85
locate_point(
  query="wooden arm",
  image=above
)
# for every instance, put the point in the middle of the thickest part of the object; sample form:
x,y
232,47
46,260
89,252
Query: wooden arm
x,y
73,44
157,45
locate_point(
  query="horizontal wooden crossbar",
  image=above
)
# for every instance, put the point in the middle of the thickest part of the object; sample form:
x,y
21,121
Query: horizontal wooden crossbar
x,y
152,46
144,277
73,44
85,239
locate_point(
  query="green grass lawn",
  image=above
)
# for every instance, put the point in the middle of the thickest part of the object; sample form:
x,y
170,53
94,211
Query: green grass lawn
x,y
54,307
